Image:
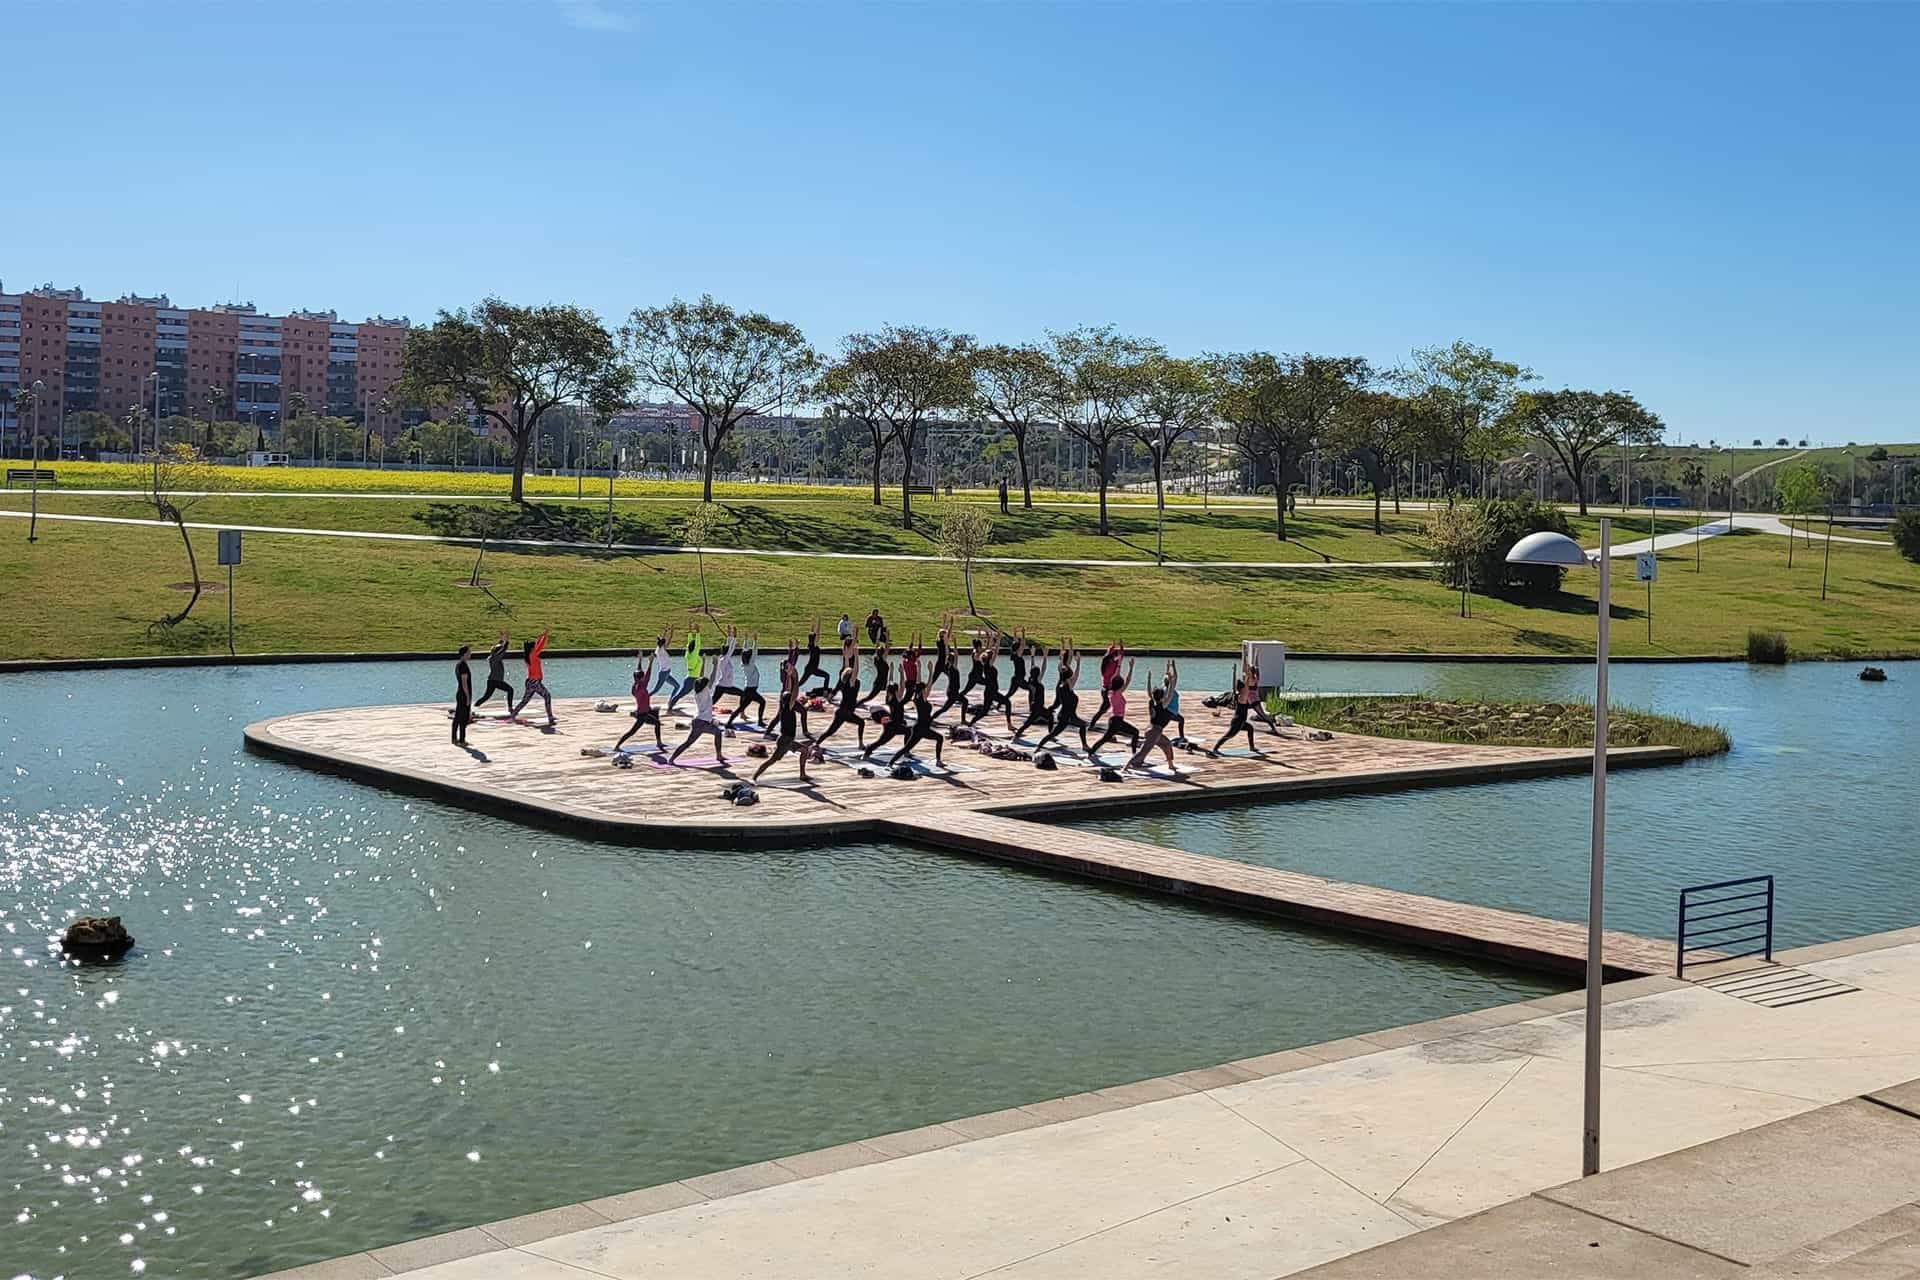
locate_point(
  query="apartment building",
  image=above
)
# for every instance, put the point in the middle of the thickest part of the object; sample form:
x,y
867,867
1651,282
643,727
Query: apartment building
x,y
110,356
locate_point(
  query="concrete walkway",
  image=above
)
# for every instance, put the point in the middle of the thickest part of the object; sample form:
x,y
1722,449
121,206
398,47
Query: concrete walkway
x,y
1259,1168
1683,539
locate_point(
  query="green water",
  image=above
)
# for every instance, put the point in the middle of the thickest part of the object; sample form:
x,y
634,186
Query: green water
x,y
354,1018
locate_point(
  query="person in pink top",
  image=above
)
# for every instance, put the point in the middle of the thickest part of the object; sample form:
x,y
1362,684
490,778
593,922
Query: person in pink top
x,y
1116,707
1109,668
644,712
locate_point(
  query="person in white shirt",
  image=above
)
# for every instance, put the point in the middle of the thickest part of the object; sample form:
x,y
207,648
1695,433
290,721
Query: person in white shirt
x,y
662,662
703,722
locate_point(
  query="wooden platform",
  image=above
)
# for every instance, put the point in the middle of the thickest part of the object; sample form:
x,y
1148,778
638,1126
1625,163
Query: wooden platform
x,y
541,776
522,771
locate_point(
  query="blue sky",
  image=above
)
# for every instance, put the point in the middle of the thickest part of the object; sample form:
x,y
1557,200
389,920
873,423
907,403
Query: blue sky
x,y
1713,206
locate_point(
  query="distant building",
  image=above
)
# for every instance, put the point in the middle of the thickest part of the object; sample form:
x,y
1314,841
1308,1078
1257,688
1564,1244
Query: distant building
x,y
105,356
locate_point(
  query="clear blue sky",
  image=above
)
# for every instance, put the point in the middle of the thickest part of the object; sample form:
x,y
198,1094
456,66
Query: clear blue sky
x,y
1712,206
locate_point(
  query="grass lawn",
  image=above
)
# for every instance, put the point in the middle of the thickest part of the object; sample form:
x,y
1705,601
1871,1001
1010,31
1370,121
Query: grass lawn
x,y
1317,534
94,590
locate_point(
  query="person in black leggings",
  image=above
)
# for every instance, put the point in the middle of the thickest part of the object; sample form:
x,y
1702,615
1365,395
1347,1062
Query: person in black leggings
x,y
786,720
923,730
749,693
1159,716
1117,726
462,696
848,712
882,673
497,671
1245,693
990,696
896,722
813,667
1066,700
1036,690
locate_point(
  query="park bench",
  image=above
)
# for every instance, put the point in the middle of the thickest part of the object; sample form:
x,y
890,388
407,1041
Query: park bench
x,y
920,490
31,475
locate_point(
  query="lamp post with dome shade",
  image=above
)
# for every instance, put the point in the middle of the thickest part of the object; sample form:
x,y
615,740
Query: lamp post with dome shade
x,y
1558,550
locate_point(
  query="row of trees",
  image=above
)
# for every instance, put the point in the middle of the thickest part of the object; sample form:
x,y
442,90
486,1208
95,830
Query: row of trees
x,y
1459,403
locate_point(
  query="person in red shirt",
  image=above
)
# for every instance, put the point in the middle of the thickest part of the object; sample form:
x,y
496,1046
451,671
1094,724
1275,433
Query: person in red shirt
x,y
534,682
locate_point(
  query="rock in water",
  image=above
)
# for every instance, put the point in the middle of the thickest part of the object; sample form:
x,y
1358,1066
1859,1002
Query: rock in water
x,y
96,938
1873,675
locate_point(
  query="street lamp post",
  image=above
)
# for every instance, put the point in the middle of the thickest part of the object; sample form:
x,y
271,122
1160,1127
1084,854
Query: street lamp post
x,y
1558,549
1729,453
154,378
33,520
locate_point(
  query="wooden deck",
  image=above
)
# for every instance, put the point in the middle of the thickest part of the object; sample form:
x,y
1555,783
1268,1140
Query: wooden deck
x,y
973,805
520,770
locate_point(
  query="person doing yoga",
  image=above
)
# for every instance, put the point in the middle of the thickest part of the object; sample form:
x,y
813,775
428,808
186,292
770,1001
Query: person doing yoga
x,y
1117,726
787,721
848,710
1066,699
497,672
1246,691
644,712
703,722
923,731
1158,718
535,648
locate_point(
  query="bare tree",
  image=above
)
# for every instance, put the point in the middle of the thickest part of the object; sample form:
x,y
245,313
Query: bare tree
x,y
1012,386
180,478
1180,398
1099,381
723,364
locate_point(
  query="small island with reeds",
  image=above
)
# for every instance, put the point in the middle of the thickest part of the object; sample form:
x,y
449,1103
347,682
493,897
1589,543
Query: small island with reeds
x,y
1500,722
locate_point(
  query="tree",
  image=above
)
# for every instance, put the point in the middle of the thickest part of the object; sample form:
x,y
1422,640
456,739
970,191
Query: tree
x,y
1906,535
724,365
965,531
1099,380
1179,399
1281,407
1799,491
1693,475
1012,386
1577,425
1458,535
296,409
180,479
895,379
216,398
1378,427
512,364
135,420
1468,393
23,398
697,531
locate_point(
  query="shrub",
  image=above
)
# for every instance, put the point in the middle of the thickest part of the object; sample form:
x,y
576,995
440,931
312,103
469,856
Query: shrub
x,y
1508,521
1906,535
1767,646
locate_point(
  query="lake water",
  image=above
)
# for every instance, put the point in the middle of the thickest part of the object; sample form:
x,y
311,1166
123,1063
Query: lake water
x,y
354,1018
1819,791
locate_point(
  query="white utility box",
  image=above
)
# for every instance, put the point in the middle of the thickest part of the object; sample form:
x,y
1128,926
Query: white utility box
x,y
1269,658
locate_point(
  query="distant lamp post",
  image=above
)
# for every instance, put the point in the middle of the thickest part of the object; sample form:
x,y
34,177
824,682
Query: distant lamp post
x,y
154,378
1728,450
1852,467
1559,550
33,520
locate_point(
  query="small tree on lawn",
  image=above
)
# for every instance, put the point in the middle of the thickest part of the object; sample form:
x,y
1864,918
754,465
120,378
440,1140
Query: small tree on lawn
x,y
179,479
1458,534
965,531
1800,491
702,523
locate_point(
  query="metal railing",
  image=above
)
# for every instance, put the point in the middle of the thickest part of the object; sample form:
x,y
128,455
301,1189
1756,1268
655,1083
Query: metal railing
x,y
1741,907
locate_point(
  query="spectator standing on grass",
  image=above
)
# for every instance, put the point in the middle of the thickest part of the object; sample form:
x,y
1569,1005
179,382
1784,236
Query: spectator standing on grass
x,y
876,626
845,629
